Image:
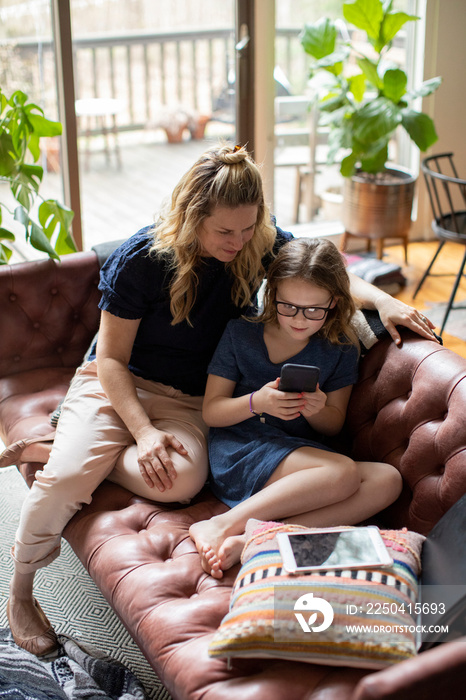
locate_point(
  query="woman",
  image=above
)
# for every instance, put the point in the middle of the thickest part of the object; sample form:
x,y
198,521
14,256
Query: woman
x,y
133,411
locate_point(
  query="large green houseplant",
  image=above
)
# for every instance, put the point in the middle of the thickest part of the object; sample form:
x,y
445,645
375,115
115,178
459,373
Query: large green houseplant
x,y
363,99
46,222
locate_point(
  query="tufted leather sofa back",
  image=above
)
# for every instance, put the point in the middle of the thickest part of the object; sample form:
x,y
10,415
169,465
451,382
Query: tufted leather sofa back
x,y
48,312
408,409
48,317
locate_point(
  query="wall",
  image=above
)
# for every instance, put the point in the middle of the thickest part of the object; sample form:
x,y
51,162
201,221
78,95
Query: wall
x,y
445,55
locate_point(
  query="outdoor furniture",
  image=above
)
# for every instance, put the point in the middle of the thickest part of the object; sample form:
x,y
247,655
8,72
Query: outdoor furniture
x,y
99,118
447,194
139,552
300,147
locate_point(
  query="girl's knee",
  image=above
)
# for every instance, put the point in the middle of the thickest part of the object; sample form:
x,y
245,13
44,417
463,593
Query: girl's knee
x,y
348,476
384,482
391,481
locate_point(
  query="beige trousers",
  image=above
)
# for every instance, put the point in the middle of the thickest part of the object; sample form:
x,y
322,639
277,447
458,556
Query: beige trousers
x,y
92,443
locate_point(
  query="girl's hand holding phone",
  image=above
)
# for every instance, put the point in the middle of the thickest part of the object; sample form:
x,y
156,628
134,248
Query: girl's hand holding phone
x,y
285,405
314,402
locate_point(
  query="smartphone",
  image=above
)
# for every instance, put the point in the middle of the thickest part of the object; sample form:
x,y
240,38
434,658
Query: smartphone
x,y
298,378
333,548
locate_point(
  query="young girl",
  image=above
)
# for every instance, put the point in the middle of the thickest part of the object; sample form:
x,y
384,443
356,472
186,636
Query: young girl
x,y
267,448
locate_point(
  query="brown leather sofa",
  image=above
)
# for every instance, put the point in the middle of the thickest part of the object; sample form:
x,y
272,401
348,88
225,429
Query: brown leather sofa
x,y
408,408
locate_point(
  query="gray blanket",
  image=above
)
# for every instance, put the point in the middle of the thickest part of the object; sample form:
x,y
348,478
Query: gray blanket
x,y
75,672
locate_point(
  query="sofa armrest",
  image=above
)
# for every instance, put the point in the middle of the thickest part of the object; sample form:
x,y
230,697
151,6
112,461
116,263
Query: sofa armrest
x,y
436,673
408,409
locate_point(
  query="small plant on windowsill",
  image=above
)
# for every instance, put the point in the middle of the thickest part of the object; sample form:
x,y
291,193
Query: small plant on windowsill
x,y
46,222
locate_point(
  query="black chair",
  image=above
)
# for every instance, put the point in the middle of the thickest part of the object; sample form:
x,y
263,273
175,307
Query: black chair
x,y
447,193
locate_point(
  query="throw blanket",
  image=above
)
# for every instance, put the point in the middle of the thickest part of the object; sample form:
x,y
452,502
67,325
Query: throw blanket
x,y
76,672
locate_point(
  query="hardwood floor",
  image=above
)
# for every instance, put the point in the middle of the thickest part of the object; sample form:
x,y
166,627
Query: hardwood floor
x,y
434,289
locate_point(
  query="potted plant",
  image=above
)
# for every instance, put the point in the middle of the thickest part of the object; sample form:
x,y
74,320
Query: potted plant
x,y
46,222
364,99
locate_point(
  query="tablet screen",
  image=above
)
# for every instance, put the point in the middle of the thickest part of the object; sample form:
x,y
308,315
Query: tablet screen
x,y
345,548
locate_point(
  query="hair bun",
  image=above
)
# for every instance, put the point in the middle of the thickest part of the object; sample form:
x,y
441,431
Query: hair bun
x,y
232,154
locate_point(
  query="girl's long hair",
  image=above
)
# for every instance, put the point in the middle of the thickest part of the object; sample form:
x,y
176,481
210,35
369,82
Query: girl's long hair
x,y
224,176
318,261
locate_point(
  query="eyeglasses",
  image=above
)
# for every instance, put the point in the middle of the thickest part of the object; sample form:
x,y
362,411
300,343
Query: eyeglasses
x,y
312,313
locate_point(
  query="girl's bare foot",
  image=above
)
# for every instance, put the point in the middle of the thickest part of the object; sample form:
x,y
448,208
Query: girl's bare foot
x,y
229,553
208,536
210,563
218,550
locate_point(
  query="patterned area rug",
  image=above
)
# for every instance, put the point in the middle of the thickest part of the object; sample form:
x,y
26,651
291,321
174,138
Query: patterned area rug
x,y
69,597
456,323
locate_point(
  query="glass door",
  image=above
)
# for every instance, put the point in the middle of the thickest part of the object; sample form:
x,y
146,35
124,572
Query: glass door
x,y
27,65
155,85
307,189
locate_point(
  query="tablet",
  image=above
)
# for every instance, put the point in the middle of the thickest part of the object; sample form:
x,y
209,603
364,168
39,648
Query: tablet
x,y
333,548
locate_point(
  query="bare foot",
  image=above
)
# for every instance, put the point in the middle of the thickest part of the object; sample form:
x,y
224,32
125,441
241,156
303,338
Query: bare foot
x,y
211,563
229,553
208,536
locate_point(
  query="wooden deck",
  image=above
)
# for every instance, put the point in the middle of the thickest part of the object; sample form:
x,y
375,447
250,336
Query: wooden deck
x,y
117,202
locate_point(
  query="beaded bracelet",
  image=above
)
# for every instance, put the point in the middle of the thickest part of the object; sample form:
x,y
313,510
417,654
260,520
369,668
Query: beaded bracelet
x,y
262,419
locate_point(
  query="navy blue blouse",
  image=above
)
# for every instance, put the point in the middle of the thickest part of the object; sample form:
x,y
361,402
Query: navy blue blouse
x,y
135,285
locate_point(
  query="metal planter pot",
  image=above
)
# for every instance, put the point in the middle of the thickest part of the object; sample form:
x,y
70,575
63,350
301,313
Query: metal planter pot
x,y
380,208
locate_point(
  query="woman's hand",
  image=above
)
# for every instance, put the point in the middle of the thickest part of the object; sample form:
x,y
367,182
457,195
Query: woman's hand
x,y
154,460
269,399
394,312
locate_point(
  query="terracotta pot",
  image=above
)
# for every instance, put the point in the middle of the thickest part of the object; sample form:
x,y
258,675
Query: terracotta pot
x,y
175,132
197,126
380,208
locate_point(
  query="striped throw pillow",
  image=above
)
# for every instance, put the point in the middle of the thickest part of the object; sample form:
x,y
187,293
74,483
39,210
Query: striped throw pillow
x,y
374,610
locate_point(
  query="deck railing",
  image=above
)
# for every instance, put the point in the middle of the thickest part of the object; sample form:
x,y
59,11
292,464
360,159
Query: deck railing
x,y
150,72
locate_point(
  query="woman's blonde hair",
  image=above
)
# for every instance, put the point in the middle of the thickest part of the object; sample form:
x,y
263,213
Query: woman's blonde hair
x,y
223,176
318,261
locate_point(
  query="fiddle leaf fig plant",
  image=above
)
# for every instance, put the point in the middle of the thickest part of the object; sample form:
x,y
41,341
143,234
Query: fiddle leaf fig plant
x,y
365,98
46,222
